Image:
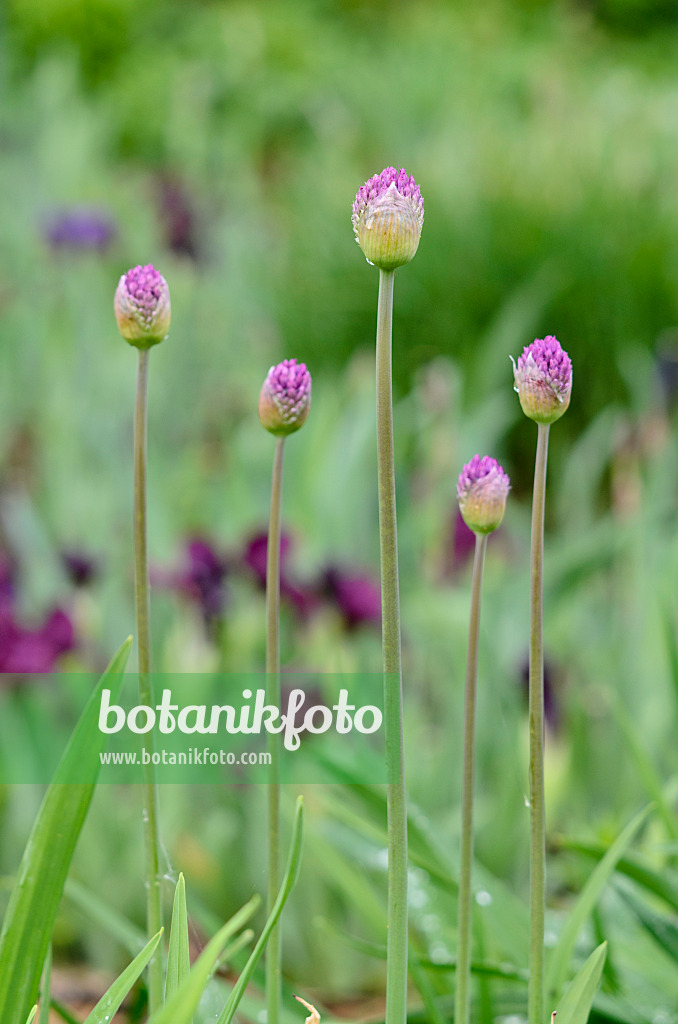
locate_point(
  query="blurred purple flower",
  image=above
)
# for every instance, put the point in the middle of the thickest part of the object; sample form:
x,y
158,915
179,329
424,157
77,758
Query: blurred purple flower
x,y
201,578
356,595
178,218
81,568
254,557
552,680
34,650
80,228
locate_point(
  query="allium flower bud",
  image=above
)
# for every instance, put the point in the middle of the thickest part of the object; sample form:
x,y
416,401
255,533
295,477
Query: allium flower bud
x,y
285,398
482,491
388,214
543,380
142,306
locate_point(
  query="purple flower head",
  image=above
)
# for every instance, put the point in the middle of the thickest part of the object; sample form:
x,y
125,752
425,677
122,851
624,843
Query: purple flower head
x,y
81,568
142,306
543,379
25,650
388,215
285,398
80,228
357,596
301,597
201,578
482,490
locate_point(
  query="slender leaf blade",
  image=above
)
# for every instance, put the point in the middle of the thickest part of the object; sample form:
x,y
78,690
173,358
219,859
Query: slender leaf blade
x,y
180,1008
111,1001
575,1005
561,956
178,959
35,898
289,878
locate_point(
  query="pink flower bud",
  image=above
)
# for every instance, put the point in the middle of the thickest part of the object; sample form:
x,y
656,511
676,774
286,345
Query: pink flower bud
x,y
285,398
142,306
543,380
482,491
388,214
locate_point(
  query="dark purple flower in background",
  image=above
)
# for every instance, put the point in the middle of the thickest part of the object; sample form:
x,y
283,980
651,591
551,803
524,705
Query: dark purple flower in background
x,y
81,568
356,595
201,577
301,598
80,228
24,650
178,218
552,687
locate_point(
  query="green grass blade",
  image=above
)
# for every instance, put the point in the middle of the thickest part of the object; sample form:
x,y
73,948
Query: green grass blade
x,y
561,956
661,883
575,1006
179,1009
33,905
178,959
663,930
31,1015
289,878
43,1016
110,1002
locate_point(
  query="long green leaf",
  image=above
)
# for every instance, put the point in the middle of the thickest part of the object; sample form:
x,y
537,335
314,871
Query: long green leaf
x,y
662,929
35,898
286,887
31,1015
178,958
182,1005
575,1006
110,1002
561,956
43,1016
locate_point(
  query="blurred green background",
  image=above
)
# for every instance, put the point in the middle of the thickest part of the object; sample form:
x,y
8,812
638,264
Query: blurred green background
x,y
225,142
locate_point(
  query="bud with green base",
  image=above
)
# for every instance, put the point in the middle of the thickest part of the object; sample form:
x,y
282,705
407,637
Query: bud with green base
x,y
388,215
142,307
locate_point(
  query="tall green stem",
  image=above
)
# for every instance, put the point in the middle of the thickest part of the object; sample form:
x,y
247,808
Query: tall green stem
x,y
537,818
141,594
463,974
273,949
396,964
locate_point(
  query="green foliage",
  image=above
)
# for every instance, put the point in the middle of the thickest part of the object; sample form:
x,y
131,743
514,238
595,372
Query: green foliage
x,y
29,918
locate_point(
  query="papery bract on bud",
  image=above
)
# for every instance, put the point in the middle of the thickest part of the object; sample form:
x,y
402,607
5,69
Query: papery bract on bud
x,y
142,306
388,214
482,490
285,398
543,379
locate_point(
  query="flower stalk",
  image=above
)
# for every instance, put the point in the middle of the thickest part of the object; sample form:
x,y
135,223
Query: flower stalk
x,y
273,697
143,314
387,218
481,491
396,962
543,381
142,603
463,972
536,719
284,405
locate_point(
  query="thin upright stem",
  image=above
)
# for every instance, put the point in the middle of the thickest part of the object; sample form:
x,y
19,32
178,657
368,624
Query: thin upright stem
x,y
396,963
536,700
273,948
141,594
463,973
